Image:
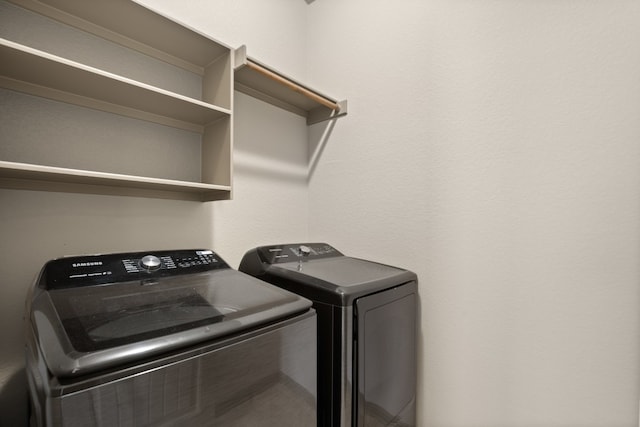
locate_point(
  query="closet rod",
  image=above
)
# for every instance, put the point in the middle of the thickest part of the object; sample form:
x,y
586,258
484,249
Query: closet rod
x,y
291,85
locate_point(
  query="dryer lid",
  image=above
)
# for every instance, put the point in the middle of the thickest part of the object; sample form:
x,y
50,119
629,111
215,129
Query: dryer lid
x,y
345,272
340,280
320,272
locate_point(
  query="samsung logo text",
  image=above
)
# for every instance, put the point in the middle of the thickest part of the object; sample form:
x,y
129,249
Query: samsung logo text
x,y
86,264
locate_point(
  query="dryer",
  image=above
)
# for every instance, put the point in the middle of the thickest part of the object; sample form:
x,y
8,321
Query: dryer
x,y
366,330
167,338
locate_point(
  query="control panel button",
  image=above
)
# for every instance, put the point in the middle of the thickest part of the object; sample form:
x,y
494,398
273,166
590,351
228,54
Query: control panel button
x,y
150,263
304,250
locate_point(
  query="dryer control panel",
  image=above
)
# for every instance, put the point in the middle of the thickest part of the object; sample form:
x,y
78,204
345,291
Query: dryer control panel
x,y
295,252
88,270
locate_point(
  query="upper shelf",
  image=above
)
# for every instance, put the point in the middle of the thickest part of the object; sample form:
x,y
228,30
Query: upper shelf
x,y
260,81
130,24
40,73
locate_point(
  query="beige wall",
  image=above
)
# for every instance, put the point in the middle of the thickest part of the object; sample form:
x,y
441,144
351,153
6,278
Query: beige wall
x,y
494,148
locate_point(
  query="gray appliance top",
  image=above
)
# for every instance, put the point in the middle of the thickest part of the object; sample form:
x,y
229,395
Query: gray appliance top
x,y
321,273
93,312
344,272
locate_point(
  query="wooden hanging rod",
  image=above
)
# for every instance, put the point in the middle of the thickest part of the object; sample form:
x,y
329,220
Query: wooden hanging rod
x,y
293,86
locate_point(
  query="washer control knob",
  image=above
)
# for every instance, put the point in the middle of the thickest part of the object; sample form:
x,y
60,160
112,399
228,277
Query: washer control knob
x,y
150,263
304,250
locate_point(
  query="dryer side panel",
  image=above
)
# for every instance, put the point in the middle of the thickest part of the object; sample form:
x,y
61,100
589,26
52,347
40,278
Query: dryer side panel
x,y
386,357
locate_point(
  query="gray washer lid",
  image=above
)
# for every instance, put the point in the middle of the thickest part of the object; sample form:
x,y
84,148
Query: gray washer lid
x,y
245,302
337,280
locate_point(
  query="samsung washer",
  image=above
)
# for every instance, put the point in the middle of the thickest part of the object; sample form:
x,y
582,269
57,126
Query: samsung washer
x,y
167,338
366,330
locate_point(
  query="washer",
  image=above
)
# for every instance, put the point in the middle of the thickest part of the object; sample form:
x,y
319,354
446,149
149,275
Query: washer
x,y
167,338
366,330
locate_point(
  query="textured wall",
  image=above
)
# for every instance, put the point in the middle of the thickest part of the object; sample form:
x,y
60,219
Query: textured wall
x,y
493,147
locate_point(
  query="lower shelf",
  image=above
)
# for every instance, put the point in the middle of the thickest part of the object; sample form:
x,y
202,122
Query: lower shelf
x,y
27,176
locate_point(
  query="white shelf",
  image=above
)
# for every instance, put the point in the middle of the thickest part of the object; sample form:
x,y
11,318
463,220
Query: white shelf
x,y
130,24
35,177
42,74
263,82
142,34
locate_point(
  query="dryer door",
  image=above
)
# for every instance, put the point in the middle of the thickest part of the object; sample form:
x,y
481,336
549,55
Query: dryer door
x,y
385,347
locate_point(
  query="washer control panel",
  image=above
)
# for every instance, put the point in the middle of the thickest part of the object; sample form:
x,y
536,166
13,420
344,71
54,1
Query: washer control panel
x,y
296,252
90,270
